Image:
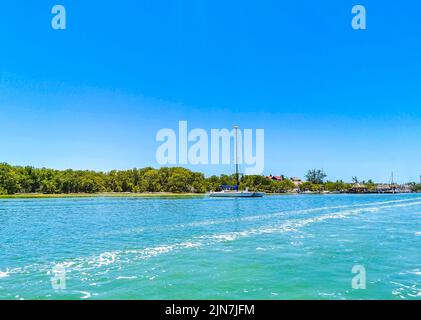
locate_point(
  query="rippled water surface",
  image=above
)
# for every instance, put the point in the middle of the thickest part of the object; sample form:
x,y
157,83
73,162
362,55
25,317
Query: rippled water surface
x,y
277,247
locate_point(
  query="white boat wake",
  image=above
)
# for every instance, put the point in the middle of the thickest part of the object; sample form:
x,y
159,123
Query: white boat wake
x,y
122,257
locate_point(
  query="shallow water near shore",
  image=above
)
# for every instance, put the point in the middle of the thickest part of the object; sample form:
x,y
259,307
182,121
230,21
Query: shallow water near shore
x,y
276,247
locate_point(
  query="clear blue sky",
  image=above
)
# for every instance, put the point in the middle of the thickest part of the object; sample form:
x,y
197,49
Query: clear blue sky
x,y
94,96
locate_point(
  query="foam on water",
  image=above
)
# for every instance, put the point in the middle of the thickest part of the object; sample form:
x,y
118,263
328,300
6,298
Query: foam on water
x,y
259,217
117,256
102,263
126,277
4,274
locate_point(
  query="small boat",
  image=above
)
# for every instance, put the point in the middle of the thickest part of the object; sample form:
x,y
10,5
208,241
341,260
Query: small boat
x,y
232,191
236,194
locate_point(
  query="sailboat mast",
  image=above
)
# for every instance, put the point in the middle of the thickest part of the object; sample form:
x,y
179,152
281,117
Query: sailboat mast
x,y
236,157
393,183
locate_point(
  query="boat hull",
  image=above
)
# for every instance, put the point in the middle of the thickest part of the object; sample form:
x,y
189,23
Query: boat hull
x,y
244,194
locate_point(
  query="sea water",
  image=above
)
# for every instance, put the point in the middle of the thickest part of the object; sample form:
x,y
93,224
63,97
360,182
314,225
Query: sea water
x,y
276,247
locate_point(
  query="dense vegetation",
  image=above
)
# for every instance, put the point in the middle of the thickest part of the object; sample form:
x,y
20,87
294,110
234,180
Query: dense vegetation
x,y
316,176
335,186
15,179
178,180
416,187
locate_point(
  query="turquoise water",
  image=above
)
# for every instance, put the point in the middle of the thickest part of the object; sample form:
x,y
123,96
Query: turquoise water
x,y
277,247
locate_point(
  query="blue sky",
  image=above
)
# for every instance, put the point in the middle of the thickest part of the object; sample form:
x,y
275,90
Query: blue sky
x,y
94,96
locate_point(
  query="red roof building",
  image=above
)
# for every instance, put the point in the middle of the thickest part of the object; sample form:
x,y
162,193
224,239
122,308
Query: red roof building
x,y
276,178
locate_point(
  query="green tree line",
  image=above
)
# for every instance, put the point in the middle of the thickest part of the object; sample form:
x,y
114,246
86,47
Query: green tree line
x,y
17,179
315,182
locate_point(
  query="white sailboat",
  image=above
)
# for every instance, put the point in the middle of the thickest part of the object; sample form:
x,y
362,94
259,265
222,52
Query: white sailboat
x,y
236,194
233,192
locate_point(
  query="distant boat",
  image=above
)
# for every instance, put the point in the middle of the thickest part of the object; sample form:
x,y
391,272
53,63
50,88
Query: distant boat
x,y
232,191
236,194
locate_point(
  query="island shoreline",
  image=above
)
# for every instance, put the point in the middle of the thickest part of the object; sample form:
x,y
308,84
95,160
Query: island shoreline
x,y
156,195
99,195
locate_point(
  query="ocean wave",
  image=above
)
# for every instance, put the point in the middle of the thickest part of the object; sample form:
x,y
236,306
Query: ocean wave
x,y
206,240
86,294
4,274
126,277
405,291
106,259
261,216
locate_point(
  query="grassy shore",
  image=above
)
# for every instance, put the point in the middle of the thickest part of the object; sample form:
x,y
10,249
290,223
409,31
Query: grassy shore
x,y
93,195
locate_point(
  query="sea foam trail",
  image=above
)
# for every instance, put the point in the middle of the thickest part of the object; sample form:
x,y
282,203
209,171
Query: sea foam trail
x,y
255,217
106,259
288,226
4,274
